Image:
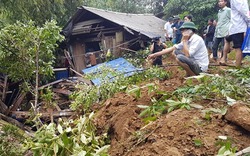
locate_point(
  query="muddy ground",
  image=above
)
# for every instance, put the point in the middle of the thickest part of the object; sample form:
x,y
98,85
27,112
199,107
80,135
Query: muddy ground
x,y
173,134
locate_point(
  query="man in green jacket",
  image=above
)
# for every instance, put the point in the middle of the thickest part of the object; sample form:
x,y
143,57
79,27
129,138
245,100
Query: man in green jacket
x,y
221,30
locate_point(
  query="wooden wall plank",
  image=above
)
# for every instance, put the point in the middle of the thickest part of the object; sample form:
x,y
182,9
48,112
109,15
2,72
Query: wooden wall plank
x,y
79,56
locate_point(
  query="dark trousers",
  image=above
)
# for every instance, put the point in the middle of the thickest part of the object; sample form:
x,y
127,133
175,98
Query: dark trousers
x,y
216,44
178,38
191,63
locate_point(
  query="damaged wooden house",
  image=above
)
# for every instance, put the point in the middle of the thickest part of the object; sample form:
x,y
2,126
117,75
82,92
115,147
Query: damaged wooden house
x,y
91,33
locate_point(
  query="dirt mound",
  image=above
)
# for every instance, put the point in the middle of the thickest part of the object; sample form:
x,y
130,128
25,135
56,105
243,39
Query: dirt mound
x,y
181,132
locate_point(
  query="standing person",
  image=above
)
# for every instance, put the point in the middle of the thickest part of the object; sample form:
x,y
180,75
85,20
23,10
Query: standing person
x,y
221,30
215,23
177,24
209,35
169,29
191,53
188,18
239,20
156,46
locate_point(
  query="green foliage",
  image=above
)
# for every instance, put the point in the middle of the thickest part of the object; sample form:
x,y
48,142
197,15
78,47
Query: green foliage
x,y
68,138
19,44
207,87
197,142
138,58
211,86
184,103
87,95
47,97
151,112
160,106
242,75
127,6
10,141
226,148
136,90
39,11
208,112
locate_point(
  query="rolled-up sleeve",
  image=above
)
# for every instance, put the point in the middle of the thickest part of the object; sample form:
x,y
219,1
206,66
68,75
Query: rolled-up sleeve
x,y
179,46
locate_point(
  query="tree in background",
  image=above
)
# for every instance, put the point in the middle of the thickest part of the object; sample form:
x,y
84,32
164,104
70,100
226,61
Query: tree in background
x,y
39,11
128,6
200,10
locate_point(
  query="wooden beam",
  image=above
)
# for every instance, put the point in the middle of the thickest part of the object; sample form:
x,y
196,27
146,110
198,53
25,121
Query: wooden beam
x,y
85,81
11,120
95,32
89,22
3,107
62,91
68,57
77,73
59,109
60,69
95,39
16,103
5,88
49,84
128,49
43,114
17,123
81,77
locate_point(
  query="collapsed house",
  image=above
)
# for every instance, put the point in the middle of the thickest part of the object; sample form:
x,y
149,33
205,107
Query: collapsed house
x,y
91,33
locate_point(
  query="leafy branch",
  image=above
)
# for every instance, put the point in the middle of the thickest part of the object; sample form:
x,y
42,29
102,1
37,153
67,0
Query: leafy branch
x,y
68,138
87,95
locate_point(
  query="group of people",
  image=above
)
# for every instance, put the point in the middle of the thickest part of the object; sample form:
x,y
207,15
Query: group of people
x,y
172,28
190,50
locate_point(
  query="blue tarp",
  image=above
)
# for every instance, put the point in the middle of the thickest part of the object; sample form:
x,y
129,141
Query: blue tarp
x,y
120,65
246,44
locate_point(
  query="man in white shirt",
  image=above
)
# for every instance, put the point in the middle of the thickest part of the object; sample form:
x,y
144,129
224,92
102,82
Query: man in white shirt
x,y
191,54
237,28
168,29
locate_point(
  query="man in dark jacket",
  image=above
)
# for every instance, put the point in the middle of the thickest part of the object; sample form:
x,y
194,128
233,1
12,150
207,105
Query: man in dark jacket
x,y
209,35
176,26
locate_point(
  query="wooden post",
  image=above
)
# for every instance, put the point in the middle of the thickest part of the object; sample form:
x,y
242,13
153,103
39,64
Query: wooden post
x,y
5,88
92,59
3,107
16,103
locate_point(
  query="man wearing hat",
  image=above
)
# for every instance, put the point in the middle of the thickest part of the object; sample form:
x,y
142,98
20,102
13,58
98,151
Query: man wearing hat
x,y
191,54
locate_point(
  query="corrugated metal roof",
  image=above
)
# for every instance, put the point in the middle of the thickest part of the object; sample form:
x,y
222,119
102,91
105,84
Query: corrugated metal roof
x,y
146,24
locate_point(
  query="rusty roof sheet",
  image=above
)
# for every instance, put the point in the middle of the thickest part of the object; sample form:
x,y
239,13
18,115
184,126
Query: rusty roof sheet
x,y
146,24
